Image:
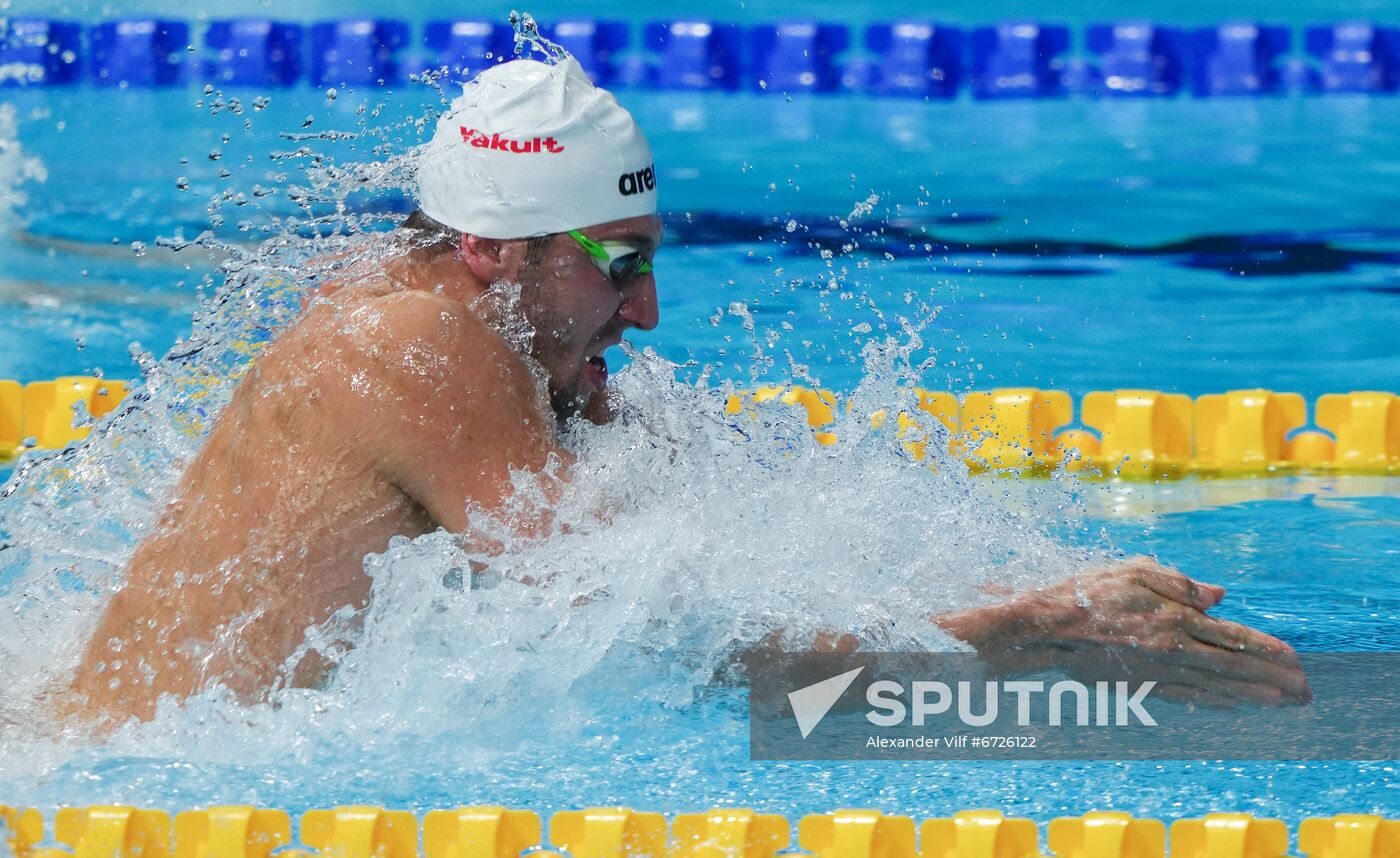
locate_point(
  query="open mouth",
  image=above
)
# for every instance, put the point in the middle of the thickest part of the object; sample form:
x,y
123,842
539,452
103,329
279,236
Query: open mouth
x,y
596,370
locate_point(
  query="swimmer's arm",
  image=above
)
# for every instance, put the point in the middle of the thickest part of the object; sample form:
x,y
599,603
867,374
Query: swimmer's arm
x,y
453,410
1147,619
1155,615
1088,606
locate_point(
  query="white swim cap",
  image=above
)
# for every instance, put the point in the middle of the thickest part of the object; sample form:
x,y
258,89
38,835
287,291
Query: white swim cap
x,y
530,149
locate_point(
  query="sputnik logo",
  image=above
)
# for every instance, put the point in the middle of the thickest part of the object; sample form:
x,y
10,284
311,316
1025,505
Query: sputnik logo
x,y
810,704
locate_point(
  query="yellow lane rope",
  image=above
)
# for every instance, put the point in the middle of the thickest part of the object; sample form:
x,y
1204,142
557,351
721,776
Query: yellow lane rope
x,y
1124,434
1128,434
498,832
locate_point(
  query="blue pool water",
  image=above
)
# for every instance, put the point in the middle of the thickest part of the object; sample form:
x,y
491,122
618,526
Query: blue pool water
x,y
1081,245
1185,246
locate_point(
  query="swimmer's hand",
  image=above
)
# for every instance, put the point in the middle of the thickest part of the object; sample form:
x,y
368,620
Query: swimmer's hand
x,y
1153,620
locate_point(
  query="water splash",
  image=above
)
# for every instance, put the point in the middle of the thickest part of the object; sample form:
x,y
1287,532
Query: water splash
x,y
528,39
16,167
682,537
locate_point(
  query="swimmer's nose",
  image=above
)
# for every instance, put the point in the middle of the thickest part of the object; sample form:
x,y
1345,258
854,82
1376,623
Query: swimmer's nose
x,y
639,303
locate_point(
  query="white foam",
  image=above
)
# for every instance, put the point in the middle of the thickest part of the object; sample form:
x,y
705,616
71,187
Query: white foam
x,y
681,536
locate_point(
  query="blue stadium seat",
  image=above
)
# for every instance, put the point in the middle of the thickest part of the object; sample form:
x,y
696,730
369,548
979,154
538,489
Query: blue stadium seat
x,y
39,51
914,58
595,44
697,54
360,51
1238,59
1137,58
1018,59
1354,57
139,52
467,47
797,56
253,52
636,71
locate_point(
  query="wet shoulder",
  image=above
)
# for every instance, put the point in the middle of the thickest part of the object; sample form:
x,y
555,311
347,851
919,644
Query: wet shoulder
x,y
420,341
428,384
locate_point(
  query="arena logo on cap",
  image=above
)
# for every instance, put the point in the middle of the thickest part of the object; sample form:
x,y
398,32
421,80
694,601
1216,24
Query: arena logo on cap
x,y
481,140
637,182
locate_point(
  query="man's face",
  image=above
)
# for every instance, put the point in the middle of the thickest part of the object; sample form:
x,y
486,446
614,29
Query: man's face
x,y
577,312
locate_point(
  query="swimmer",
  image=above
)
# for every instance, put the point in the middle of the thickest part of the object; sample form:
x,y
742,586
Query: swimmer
x,y
401,396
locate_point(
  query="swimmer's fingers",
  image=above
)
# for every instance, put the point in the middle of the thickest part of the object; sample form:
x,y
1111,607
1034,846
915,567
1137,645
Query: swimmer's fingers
x,y
1263,693
1236,637
1281,670
1190,670
1179,658
1171,584
1227,676
1194,694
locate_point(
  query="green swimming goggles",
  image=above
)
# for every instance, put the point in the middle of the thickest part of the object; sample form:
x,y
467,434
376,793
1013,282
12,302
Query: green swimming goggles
x,y
619,262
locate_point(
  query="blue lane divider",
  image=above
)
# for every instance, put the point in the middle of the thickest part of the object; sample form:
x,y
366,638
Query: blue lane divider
x,y
919,59
915,58
39,51
696,54
1137,58
253,52
595,44
356,52
1239,59
1354,57
1018,59
466,47
149,52
797,56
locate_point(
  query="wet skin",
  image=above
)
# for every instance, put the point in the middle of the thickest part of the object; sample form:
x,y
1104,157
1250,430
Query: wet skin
x,y
394,402
387,408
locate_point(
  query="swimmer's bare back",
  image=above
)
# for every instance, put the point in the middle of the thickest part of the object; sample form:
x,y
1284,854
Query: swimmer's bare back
x,y
381,411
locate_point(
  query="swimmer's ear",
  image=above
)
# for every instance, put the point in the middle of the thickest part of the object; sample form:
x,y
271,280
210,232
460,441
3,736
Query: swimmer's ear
x,y
490,259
